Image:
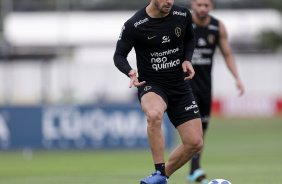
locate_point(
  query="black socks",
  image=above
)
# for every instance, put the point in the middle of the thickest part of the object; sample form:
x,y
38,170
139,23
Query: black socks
x,y
160,167
195,163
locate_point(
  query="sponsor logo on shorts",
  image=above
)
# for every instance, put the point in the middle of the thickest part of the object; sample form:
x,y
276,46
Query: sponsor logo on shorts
x,y
196,111
193,106
147,88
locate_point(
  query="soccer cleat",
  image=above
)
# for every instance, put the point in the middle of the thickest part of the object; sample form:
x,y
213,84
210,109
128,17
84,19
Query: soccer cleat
x,y
155,178
199,175
204,181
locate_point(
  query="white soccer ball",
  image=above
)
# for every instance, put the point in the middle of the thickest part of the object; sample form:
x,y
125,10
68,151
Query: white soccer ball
x,y
219,181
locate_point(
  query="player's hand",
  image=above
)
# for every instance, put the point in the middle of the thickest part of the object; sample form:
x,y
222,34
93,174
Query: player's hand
x,y
134,80
240,87
188,68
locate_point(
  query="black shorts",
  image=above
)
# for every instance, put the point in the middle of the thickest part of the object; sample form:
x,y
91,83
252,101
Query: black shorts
x,y
204,101
180,107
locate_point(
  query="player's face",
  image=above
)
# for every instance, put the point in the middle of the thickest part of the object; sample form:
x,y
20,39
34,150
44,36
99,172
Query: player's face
x,y
164,5
202,8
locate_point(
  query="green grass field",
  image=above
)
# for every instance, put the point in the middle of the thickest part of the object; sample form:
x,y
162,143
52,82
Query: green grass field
x,y
243,151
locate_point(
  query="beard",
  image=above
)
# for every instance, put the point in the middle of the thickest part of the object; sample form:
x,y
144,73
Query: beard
x,y
163,9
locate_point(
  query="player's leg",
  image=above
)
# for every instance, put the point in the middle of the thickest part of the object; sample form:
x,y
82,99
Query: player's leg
x,y
154,107
204,103
195,161
192,142
184,114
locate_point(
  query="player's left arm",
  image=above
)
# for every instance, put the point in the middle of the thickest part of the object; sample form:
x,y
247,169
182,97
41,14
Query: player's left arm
x,y
228,56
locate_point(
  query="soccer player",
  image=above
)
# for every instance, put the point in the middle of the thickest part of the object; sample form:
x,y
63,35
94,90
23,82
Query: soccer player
x,y
209,33
163,38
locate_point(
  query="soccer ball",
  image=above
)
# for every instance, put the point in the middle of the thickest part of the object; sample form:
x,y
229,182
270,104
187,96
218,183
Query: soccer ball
x,y
219,181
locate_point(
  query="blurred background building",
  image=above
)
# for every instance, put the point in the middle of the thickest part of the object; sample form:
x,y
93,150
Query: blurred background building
x,y
59,52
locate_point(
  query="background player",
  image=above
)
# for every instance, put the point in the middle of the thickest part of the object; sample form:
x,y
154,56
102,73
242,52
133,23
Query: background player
x,y
163,38
209,33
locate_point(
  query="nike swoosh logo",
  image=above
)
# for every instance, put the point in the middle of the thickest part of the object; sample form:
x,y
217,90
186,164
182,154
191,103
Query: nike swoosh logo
x,y
196,112
149,38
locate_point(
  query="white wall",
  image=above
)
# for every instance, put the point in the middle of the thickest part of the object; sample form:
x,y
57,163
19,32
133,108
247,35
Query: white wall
x,y
90,79
88,74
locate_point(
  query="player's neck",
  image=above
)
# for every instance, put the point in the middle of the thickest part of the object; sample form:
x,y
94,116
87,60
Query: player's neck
x,y
154,12
201,22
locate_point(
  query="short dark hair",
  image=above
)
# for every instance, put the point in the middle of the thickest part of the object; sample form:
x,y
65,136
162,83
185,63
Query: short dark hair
x,y
210,0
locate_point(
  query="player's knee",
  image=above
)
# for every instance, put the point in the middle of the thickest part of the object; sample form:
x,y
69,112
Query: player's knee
x,y
199,145
196,145
154,118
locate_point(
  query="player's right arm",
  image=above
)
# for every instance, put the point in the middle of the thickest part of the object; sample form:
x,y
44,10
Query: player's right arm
x,y
123,47
189,46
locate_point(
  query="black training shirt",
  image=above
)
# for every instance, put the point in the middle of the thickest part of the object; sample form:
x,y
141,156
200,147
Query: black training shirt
x,y
206,41
161,45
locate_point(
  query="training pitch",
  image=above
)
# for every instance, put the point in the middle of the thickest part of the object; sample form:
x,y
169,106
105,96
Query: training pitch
x,y
243,151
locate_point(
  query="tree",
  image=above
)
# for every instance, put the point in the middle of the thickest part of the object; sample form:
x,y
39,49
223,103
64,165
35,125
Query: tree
x,y
270,40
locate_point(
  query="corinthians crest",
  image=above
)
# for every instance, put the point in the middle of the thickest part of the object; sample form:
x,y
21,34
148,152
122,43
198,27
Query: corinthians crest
x,y
147,88
211,38
178,31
